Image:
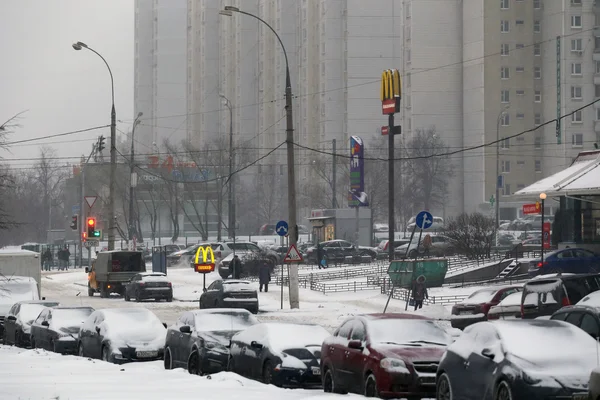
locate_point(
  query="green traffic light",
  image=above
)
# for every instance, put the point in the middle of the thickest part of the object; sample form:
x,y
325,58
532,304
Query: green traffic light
x,y
96,234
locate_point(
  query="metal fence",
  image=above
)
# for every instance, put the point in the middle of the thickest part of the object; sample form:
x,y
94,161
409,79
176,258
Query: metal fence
x,y
403,294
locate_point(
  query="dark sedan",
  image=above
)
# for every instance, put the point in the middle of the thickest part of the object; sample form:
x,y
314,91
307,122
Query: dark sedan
x,y
338,250
518,359
384,355
56,329
149,285
17,325
584,317
279,353
475,308
571,261
199,340
230,293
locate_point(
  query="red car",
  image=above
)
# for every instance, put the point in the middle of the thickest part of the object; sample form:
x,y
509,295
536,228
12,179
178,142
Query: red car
x,y
475,307
384,355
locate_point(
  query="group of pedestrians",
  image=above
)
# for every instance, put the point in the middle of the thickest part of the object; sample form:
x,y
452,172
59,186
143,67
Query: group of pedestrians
x,y
62,256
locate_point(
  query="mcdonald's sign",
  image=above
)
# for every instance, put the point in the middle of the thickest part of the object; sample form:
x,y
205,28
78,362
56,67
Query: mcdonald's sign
x,y
390,91
206,263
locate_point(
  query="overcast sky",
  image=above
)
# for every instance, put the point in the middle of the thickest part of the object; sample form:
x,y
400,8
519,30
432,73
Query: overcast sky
x,y
63,89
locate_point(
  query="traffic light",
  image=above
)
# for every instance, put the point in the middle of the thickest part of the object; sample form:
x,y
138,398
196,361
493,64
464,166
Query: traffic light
x,y
91,227
101,143
74,225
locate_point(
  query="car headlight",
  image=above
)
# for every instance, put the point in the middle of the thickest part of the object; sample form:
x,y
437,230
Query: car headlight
x,y
529,379
393,364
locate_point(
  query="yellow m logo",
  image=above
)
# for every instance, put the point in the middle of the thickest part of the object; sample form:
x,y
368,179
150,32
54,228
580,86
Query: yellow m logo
x,y
391,85
207,262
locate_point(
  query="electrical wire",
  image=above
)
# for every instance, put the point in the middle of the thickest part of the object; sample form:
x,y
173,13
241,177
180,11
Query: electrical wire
x,y
56,135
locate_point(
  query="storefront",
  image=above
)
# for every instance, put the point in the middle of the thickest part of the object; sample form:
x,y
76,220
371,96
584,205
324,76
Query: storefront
x,y
576,191
341,223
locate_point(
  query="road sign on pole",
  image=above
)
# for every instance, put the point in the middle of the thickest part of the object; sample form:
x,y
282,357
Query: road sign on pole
x,y
534,208
424,220
293,255
282,228
91,243
90,200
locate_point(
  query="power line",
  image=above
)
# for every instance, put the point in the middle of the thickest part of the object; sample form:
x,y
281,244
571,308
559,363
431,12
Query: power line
x,y
57,135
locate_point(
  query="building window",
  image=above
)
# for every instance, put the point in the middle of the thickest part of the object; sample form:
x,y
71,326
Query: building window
x,y
537,4
505,144
537,97
519,22
520,138
504,73
577,140
575,2
505,166
519,45
537,49
537,142
504,4
537,27
537,73
506,190
520,163
597,90
505,96
504,49
576,117
576,21
504,28
597,65
576,45
538,166
520,116
520,92
505,119
576,92
597,114
575,68
537,119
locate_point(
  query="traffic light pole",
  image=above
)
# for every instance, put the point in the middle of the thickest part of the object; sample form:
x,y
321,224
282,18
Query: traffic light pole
x,y
82,213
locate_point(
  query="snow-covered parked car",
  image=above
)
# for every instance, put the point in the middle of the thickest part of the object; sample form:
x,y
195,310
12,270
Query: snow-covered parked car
x,y
475,308
17,325
509,308
518,359
282,354
56,328
230,293
120,335
199,340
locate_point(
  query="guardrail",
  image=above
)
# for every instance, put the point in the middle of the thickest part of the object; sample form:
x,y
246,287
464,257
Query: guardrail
x,y
402,294
325,287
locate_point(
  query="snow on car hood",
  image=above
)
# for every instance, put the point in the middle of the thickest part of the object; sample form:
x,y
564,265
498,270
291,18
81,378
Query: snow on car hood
x,y
69,321
137,328
410,353
155,278
283,336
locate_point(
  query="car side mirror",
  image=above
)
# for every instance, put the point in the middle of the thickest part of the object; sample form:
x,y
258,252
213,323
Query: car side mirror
x,y
185,329
97,329
489,353
45,323
164,324
87,270
11,318
255,344
355,344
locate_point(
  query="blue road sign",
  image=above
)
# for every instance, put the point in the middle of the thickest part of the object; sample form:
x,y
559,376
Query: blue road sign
x,y
281,228
424,220
75,209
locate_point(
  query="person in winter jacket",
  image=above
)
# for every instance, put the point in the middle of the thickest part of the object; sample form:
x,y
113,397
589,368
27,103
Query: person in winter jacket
x,y
419,291
235,267
264,276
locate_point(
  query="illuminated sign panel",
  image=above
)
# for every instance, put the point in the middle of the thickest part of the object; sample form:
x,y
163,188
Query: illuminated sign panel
x,y
204,261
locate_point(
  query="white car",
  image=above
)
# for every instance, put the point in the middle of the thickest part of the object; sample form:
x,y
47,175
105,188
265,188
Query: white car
x,y
508,308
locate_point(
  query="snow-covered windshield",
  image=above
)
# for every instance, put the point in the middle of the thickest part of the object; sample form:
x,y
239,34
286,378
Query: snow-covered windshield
x,y
29,312
512,300
407,331
135,324
63,319
235,286
283,336
481,296
224,321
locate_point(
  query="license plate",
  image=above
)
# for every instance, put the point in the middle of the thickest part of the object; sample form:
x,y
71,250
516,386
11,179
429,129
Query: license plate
x,y
465,313
581,396
146,354
316,370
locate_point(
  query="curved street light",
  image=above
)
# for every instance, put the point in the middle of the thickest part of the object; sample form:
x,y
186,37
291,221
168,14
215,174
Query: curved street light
x,y
113,156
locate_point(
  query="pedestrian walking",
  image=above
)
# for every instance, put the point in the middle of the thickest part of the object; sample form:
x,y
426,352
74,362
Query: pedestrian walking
x,y
47,259
419,291
235,267
66,257
264,276
427,244
320,254
323,264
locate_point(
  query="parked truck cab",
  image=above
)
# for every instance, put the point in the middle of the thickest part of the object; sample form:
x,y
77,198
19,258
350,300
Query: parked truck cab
x,y
112,270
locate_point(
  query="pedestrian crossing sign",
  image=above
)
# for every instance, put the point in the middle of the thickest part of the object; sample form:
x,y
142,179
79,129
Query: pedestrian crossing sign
x,y
293,255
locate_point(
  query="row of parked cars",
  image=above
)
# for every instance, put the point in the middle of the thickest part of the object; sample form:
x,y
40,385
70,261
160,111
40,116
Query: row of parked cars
x,y
377,355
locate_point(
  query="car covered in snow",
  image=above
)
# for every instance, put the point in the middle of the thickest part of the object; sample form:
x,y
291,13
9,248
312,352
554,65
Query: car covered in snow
x,y
584,317
199,340
508,308
475,308
57,328
384,355
282,354
337,250
149,285
17,325
230,293
518,359
251,256
120,335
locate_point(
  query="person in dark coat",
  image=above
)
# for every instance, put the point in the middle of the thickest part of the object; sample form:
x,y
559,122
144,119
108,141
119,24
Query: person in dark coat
x,y
264,276
235,267
47,259
419,292
320,254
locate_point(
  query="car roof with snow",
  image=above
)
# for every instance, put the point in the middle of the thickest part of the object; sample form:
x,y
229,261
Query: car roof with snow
x,y
220,311
378,316
153,274
575,307
225,281
42,302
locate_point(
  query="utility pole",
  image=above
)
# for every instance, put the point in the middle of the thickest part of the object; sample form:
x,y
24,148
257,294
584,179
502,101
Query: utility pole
x,y
132,180
334,177
82,210
231,197
498,170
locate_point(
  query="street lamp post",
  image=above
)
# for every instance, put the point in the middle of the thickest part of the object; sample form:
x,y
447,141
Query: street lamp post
x,y
131,180
231,195
542,198
293,227
113,155
498,168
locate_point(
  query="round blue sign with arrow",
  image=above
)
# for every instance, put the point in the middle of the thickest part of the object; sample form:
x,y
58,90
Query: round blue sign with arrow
x,y
424,220
281,228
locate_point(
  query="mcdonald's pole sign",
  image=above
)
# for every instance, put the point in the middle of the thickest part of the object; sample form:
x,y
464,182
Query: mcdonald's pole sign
x,y
391,91
205,260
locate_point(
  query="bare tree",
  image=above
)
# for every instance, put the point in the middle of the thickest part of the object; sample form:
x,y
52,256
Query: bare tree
x,y
471,234
7,180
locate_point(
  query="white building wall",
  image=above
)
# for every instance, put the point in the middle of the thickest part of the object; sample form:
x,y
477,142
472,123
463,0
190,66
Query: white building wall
x,y
144,71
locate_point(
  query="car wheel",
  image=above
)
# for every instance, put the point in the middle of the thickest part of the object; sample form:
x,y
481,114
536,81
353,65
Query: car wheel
x,y
267,373
90,291
503,392
127,298
103,292
216,305
412,253
194,363
371,386
106,354
170,299
329,385
443,388
80,351
53,346
231,365
168,361
17,339
33,342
